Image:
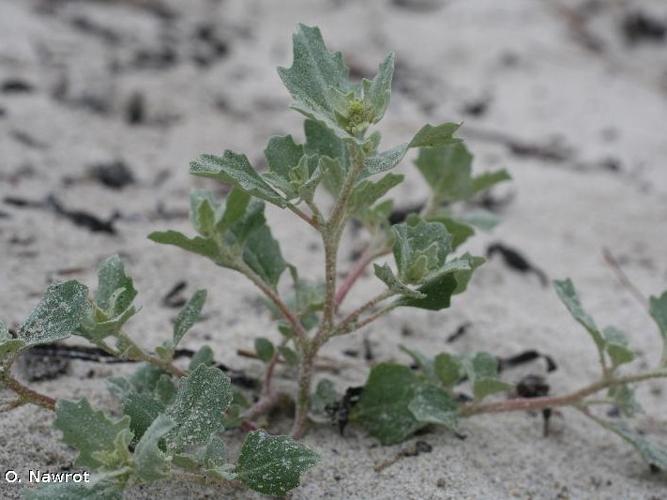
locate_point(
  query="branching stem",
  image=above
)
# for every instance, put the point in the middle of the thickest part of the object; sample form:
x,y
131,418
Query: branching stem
x,y
26,394
573,399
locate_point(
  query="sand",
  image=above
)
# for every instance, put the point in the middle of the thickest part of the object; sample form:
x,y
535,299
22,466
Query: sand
x,y
543,83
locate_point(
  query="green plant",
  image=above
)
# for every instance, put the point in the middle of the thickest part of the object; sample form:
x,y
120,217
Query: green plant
x,y
173,417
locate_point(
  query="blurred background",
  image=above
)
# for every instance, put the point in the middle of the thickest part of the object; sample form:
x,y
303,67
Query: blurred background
x,y
104,103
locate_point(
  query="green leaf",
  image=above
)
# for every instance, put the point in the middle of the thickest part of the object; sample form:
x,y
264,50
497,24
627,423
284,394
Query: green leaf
x,y
289,355
428,135
111,277
383,409
105,488
262,254
378,91
480,219
283,154
448,368
151,463
143,407
482,371
437,293
423,363
658,310
317,80
235,169
487,180
198,245
8,344
89,431
420,249
57,315
447,170
624,397
264,349
385,273
432,405
459,231
616,344
568,295
204,356
653,454
273,465
189,315
464,275
199,407
366,192
435,135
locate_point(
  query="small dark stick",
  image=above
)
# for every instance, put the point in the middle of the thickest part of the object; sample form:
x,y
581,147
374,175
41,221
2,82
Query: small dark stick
x,y
515,260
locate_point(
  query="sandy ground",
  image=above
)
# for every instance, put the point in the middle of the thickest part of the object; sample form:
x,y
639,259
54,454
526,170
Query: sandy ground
x,y
207,79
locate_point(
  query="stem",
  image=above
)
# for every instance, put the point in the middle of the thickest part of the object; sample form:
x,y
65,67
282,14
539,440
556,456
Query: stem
x,y
311,220
572,399
368,256
26,394
138,354
350,324
303,392
272,295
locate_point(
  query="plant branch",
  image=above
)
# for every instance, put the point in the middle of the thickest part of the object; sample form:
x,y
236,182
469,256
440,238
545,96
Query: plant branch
x,y
137,353
273,296
572,399
26,394
350,324
311,220
368,256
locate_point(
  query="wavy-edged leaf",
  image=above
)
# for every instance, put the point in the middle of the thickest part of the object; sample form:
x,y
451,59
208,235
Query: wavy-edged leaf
x,y
111,277
58,314
487,180
366,192
448,368
482,371
616,344
377,92
273,465
236,170
383,409
420,248
89,431
199,407
459,231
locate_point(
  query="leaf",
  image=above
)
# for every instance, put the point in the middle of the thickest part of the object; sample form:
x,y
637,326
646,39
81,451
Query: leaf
x,y
198,245
658,311
568,295
283,154
262,254
383,409
378,91
111,277
322,141
437,293
653,454
448,368
89,431
204,356
487,180
420,248
104,489
463,276
57,315
447,170
8,344
151,463
317,80
480,219
423,363
235,169
624,397
432,405
616,344
482,371
264,349
189,315
289,355
459,231
199,406
366,192
385,273
273,465
142,407
428,135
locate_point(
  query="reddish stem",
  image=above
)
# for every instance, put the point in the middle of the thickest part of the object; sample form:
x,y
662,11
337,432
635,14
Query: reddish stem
x,y
355,273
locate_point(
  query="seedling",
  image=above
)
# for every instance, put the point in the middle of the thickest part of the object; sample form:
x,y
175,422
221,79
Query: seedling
x,y
173,417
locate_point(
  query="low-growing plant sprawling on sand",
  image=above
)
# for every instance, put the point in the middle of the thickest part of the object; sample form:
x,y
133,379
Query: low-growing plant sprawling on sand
x,y
173,417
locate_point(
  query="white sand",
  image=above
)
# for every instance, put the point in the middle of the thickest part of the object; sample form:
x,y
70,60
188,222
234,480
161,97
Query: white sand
x,y
562,216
